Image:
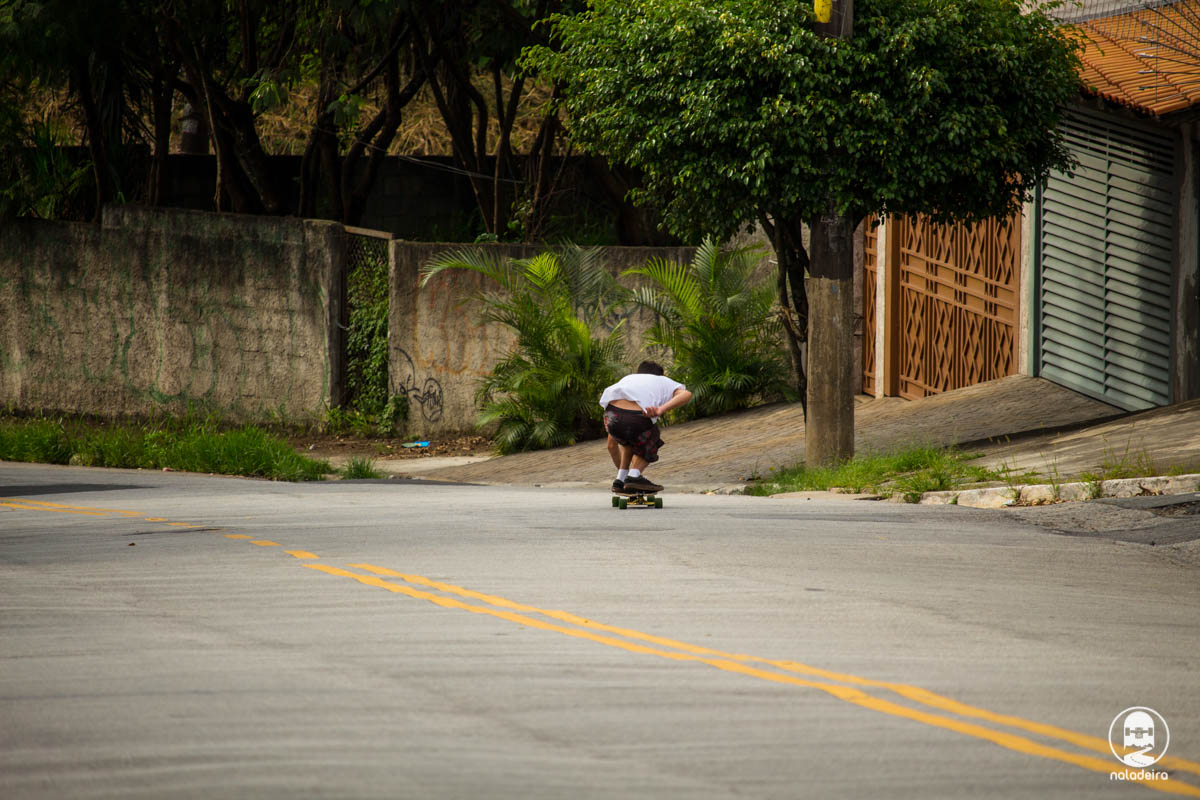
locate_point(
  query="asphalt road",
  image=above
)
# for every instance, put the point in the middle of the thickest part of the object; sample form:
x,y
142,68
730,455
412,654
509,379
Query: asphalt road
x,y
167,635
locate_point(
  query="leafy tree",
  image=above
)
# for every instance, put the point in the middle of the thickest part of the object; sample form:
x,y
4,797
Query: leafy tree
x,y
462,41
719,325
101,52
353,48
736,111
543,392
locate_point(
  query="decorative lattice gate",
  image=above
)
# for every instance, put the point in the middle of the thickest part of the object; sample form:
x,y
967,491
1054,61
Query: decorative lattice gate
x,y
954,293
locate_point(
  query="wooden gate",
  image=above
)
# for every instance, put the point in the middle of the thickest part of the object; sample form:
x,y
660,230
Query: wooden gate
x,y
954,295
870,286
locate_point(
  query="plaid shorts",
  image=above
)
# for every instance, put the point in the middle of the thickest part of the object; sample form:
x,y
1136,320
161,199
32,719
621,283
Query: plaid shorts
x,y
633,429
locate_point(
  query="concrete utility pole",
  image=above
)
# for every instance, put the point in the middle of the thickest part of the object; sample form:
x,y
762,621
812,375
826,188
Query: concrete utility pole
x,y
829,436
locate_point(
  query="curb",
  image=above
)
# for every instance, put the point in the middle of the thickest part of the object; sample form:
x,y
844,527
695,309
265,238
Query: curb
x,y
1044,494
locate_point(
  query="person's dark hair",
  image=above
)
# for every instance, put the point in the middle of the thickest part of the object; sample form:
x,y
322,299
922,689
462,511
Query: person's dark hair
x,y
650,368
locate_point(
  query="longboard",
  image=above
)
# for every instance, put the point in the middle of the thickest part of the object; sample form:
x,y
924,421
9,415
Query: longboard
x,y
635,499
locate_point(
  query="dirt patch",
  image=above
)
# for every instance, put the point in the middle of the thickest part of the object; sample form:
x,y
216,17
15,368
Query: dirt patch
x,y
328,446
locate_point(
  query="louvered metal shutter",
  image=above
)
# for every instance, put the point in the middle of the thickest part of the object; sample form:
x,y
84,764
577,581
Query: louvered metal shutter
x,y
1106,256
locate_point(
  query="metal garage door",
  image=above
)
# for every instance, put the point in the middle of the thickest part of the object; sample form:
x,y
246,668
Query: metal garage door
x,y
1106,254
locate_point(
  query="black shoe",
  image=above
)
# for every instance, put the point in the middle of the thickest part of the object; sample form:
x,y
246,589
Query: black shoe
x,y
618,486
641,484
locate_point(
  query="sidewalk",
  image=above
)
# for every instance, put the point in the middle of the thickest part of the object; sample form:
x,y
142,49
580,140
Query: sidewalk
x,y
1030,422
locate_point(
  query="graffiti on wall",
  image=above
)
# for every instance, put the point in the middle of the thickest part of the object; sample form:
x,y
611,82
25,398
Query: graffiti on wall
x,y
427,396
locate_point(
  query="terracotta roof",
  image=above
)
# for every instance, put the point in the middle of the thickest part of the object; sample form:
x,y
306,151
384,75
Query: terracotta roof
x,y
1148,59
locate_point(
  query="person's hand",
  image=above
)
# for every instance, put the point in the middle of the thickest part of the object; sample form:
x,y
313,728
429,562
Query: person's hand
x,y
652,411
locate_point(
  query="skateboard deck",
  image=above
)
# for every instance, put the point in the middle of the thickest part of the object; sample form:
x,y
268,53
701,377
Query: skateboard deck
x,y
636,499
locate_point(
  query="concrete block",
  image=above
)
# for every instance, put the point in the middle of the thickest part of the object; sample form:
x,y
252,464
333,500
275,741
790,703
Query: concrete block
x,y
939,498
996,497
1135,487
1075,492
1182,484
1038,495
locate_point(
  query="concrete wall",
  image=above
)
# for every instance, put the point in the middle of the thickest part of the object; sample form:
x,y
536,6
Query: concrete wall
x,y
440,349
159,311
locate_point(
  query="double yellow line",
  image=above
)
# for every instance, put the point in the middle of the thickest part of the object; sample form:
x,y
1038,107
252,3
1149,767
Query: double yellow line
x,y
777,671
846,687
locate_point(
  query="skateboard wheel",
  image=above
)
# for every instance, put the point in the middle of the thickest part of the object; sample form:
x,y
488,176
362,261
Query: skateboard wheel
x,y
623,503
658,502
616,502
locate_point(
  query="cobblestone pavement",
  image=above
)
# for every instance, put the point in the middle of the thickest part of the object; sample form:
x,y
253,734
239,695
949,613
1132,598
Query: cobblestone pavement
x,y
723,453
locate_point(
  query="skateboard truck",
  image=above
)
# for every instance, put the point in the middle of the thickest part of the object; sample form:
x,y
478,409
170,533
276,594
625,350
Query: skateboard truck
x,y
647,499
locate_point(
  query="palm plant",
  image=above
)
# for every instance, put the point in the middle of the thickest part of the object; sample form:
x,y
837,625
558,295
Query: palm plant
x,y
720,326
543,392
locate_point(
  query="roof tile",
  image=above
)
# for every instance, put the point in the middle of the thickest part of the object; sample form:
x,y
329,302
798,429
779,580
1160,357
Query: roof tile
x,y
1147,59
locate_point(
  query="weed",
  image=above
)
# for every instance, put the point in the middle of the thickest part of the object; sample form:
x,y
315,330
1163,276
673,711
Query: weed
x,y
1011,475
910,471
359,468
1055,478
1128,463
1093,483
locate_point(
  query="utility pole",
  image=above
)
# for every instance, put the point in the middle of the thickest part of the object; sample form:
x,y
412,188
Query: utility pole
x,y
829,435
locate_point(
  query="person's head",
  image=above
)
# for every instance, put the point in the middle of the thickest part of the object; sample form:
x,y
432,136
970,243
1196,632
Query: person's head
x,y
650,368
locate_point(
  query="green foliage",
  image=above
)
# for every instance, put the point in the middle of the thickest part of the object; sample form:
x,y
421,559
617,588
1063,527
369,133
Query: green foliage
x,y
189,447
720,327
358,468
1128,463
366,338
38,177
393,416
543,392
910,471
736,108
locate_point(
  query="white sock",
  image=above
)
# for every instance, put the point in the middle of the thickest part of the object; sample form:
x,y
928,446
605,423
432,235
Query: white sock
x,y
635,473
622,474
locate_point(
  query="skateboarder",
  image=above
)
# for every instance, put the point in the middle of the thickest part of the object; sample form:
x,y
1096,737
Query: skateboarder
x,y
632,408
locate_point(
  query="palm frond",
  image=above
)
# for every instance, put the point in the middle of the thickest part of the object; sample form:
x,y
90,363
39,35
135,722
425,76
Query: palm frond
x,y
474,259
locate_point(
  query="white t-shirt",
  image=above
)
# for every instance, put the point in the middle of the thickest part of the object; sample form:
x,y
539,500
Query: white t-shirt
x,y
645,390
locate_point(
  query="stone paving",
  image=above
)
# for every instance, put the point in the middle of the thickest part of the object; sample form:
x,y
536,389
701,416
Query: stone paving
x,y
1018,414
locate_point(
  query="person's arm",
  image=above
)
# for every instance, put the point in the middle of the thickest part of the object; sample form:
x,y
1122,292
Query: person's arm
x,y
681,397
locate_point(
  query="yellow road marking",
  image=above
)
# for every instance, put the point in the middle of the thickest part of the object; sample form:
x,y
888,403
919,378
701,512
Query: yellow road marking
x,y
914,693
42,505
848,694
730,662
21,505
237,536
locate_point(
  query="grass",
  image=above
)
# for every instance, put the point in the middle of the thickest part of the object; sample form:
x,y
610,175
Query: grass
x,y
910,471
186,446
359,468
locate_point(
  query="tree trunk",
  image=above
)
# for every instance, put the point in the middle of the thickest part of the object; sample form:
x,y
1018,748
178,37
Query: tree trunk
x,y
829,436
98,144
162,94
786,235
